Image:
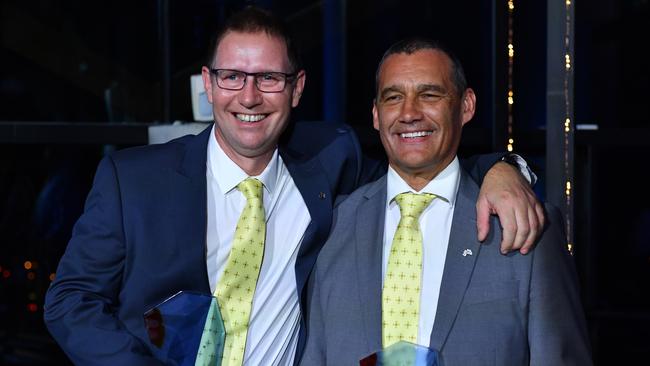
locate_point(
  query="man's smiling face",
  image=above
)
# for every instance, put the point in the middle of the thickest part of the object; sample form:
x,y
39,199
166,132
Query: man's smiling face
x,y
248,122
419,113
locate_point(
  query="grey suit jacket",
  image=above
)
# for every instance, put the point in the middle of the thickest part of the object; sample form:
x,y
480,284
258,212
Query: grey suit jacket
x,y
493,309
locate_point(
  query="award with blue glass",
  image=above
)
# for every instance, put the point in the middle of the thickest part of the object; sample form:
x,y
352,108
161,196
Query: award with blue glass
x,y
403,353
187,328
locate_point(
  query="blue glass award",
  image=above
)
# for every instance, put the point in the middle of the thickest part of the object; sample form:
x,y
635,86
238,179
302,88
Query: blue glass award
x,y
182,324
403,353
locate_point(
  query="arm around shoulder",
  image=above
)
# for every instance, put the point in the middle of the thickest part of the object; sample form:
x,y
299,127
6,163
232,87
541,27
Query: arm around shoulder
x,y
478,165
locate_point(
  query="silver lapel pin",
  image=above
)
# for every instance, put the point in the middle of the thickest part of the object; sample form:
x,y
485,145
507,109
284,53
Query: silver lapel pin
x,y
467,252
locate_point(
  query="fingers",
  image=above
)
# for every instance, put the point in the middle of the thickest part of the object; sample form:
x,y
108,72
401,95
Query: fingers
x,y
536,219
522,228
540,214
533,225
482,218
509,228
521,225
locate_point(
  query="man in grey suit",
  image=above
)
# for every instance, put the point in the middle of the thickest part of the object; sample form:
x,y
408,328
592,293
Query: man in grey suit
x,y
380,278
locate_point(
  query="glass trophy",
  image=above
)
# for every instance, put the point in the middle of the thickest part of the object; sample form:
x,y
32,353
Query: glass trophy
x,y
403,353
182,324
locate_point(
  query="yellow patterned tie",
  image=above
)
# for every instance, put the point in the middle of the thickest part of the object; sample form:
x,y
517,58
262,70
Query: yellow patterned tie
x,y
237,285
401,293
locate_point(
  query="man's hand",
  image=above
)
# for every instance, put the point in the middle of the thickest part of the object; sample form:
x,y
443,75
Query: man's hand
x,y
506,193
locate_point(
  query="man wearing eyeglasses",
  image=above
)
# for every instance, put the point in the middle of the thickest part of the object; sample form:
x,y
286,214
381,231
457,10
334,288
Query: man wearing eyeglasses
x,y
166,218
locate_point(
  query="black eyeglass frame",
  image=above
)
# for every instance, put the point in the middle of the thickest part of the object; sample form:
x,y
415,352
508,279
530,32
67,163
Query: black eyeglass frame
x,y
288,78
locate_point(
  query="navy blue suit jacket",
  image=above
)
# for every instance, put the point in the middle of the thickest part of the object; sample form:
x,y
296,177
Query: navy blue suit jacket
x,y
142,236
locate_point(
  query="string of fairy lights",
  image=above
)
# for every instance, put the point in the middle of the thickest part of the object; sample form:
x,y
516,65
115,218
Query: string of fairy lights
x,y
568,126
511,57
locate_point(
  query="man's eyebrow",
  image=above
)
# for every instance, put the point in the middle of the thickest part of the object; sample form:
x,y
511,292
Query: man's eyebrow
x,y
436,88
390,89
433,88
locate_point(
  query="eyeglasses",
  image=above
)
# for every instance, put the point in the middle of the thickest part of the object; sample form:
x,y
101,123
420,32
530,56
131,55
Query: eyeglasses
x,y
268,82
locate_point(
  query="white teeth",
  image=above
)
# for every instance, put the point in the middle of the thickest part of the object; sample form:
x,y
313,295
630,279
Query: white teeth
x,y
415,134
250,117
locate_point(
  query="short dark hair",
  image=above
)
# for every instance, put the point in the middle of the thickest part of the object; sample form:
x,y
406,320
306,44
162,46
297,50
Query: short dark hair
x,y
412,45
252,19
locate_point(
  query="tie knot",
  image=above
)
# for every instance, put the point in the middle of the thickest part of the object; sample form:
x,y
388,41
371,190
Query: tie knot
x,y
412,204
251,188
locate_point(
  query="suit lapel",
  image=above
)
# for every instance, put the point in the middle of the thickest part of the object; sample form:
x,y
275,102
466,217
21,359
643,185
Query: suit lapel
x,y
458,267
190,202
309,177
368,244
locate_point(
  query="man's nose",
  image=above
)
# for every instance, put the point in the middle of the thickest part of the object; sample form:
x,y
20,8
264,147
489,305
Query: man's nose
x,y
250,96
410,111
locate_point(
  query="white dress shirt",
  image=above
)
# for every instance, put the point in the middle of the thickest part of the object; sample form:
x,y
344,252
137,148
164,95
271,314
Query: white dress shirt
x,y
435,226
275,316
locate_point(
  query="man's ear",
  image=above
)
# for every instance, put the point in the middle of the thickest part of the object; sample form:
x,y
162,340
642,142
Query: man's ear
x,y
375,117
298,88
468,105
207,82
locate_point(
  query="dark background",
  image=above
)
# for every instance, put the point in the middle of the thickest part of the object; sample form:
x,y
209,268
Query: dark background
x,y
79,79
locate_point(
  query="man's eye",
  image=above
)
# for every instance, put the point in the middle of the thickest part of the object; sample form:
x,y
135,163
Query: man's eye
x,y
392,98
269,77
231,76
431,96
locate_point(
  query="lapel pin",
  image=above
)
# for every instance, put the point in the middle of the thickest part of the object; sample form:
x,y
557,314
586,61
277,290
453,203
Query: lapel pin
x,y
321,195
467,252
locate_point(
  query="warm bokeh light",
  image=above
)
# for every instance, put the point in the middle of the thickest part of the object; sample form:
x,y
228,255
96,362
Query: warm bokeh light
x,y
568,101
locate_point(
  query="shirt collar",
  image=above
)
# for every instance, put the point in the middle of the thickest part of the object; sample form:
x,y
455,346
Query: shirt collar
x,y
444,185
228,175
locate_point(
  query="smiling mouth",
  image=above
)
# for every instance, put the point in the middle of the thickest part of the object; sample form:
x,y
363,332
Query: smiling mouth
x,y
250,118
412,135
